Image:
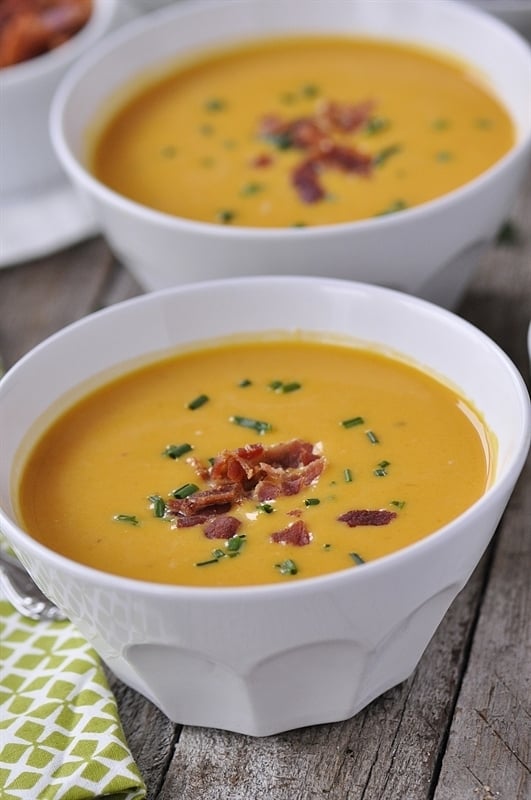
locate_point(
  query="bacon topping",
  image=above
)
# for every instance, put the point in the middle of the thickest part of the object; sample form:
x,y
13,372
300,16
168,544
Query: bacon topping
x,y
254,471
314,135
223,527
379,516
297,534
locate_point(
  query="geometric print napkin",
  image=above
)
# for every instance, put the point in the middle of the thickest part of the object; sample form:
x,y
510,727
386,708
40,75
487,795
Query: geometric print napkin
x,y
60,734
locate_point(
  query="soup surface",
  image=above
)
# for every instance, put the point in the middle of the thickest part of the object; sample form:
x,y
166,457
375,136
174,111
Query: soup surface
x,y
254,463
297,132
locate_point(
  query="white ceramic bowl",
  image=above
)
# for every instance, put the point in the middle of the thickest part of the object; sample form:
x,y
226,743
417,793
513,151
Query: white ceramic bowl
x,y
27,159
430,250
264,659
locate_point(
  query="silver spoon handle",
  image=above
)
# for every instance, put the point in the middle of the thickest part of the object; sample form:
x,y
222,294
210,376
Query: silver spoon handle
x,y
23,593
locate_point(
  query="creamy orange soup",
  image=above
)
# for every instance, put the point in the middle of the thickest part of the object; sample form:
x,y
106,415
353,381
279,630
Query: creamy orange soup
x,y
254,463
298,132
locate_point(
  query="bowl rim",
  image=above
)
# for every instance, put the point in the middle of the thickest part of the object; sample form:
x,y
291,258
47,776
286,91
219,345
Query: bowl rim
x,y
16,536
136,27
37,68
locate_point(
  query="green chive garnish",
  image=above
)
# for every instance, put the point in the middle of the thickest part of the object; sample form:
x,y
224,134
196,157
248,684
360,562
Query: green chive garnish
x,y
440,124
245,382
300,225
381,157
234,545
206,130
376,125
254,424
215,104
266,508
310,90
351,423
251,188
357,559
287,567
381,469
169,151
347,475
443,156
129,518
312,501
326,547
398,503
157,504
396,205
225,216
185,491
197,402
275,385
177,450
371,436
290,387
204,563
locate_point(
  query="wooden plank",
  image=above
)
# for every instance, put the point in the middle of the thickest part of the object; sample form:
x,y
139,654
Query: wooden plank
x,y
40,297
488,755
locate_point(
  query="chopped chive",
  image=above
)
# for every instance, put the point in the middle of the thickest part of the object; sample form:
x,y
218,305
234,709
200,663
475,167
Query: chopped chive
x,y
312,501
290,387
392,208
299,225
357,558
234,545
251,188
207,162
245,382
287,567
254,424
215,104
288,98
440,124
483,123
398,503
371,436
158,505
326,547
184,491
347,475
198,401
206,130
376,125
381,469
204,563
169,151
230,144
281,141
177,450
218,553
266,508
310,90
381,157
129,518
275,385
351,423
225,216
443,156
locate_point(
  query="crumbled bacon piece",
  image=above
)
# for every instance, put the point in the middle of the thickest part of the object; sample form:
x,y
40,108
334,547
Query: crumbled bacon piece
x,y
261,160
306,181
378,516
223,527
297,534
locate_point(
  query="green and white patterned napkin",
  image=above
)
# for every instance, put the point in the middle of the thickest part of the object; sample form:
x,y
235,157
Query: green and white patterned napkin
x,y
60,734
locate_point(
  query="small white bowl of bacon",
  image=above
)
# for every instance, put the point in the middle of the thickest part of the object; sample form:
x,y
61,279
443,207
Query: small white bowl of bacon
x,y
39,41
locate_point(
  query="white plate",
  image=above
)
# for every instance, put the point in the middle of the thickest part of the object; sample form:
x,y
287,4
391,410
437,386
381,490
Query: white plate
x,y
42,224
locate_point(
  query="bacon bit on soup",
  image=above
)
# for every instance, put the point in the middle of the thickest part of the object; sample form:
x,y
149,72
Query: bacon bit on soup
x,y
224,527
261,160
297,534
315,136
379,516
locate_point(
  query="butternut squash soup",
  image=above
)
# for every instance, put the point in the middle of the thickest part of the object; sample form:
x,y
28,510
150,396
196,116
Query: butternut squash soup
x,y
252,463
305,131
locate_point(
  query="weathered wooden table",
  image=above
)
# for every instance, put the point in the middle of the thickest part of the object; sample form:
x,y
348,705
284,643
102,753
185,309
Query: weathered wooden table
x,y
459,728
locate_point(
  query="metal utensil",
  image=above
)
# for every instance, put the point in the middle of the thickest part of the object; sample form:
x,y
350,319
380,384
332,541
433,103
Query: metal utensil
x,y
23,593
